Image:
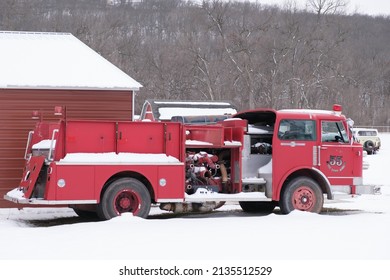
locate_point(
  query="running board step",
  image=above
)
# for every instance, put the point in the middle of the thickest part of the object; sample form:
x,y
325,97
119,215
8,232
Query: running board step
x,y
206,195
253,181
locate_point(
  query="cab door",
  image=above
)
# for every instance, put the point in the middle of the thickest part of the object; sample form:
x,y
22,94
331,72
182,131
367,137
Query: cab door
x,y
338,157
293,146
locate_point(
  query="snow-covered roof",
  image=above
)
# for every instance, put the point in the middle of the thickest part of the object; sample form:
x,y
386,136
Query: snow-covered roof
x,y
56,61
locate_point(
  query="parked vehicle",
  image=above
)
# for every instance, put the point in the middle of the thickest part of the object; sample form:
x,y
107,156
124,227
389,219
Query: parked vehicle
x,y
369,138
259,158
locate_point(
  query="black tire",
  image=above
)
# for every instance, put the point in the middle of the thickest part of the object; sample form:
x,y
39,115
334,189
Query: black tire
x,y
301,193
369,147
124,195
257,206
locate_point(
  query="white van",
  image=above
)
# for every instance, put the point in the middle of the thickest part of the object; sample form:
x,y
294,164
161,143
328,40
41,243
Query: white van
x,y
369,138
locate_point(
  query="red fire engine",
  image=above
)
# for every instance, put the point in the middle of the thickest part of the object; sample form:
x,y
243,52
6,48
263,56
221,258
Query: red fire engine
x,y
260,158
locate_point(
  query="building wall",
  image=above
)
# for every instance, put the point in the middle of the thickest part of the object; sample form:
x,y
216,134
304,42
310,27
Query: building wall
x,y
17,105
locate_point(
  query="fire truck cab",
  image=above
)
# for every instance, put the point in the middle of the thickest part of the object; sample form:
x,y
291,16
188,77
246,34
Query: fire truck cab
x,y
260,159
301,154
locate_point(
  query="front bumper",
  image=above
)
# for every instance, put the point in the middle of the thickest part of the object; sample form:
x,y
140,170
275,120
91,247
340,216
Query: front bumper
x,y
342,191
368,189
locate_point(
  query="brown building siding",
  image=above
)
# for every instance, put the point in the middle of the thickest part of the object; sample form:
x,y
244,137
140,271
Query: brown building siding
x,y
16,106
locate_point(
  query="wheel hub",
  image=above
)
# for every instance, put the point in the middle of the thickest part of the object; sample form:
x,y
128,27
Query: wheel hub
x,y
126,201
303,199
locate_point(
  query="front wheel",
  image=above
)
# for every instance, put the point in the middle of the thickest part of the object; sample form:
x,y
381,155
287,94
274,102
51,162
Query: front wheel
x,y
302,193
122,196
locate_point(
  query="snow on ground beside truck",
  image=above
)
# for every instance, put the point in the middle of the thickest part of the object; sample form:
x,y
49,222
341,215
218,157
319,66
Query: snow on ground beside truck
x,y
355,229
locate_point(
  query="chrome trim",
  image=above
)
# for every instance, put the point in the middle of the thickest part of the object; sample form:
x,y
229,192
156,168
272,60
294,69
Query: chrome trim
x,y
341,177
212,196
357,180
253,181
319,155
315,155
368,189
165,200
326,180
341,190
30,134
344,145
36,201
293,144
49,157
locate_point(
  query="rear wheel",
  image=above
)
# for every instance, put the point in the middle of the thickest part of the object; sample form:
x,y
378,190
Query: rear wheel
x,y
122,196
257,206
302,193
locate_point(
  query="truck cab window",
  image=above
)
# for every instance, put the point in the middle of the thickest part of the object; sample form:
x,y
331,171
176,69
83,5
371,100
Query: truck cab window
x,y
297,130
333,131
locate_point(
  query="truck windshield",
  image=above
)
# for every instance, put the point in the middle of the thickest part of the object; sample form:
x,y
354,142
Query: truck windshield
x,y
333,131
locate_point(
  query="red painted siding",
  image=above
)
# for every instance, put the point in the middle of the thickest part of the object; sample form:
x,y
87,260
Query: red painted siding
x,y
16,106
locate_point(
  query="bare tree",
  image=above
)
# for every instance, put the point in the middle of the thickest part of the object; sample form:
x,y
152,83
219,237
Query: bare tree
x,y
241,42
253,55
326,7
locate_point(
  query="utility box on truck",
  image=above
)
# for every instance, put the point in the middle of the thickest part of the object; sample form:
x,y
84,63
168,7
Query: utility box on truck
x,y
261,159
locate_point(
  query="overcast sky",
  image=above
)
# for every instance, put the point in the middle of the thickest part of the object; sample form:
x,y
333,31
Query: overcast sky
x,y
370,7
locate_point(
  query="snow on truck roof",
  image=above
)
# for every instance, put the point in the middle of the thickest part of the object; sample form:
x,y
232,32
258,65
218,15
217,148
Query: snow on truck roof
x,y
308,111
166,109
56,61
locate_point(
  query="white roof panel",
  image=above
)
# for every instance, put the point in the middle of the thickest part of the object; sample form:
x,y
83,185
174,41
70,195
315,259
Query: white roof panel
x,y
56,60
168,113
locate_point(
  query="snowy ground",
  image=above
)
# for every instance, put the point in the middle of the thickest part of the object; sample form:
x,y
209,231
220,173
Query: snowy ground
x,y
354,229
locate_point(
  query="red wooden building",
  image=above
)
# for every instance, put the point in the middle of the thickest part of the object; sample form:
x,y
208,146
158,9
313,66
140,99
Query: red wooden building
x,y
41,70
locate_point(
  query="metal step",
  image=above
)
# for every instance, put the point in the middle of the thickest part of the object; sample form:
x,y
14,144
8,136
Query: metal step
x,y
253,181
202,195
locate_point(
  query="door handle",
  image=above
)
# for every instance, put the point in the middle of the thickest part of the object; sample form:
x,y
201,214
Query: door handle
x,y
323,148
